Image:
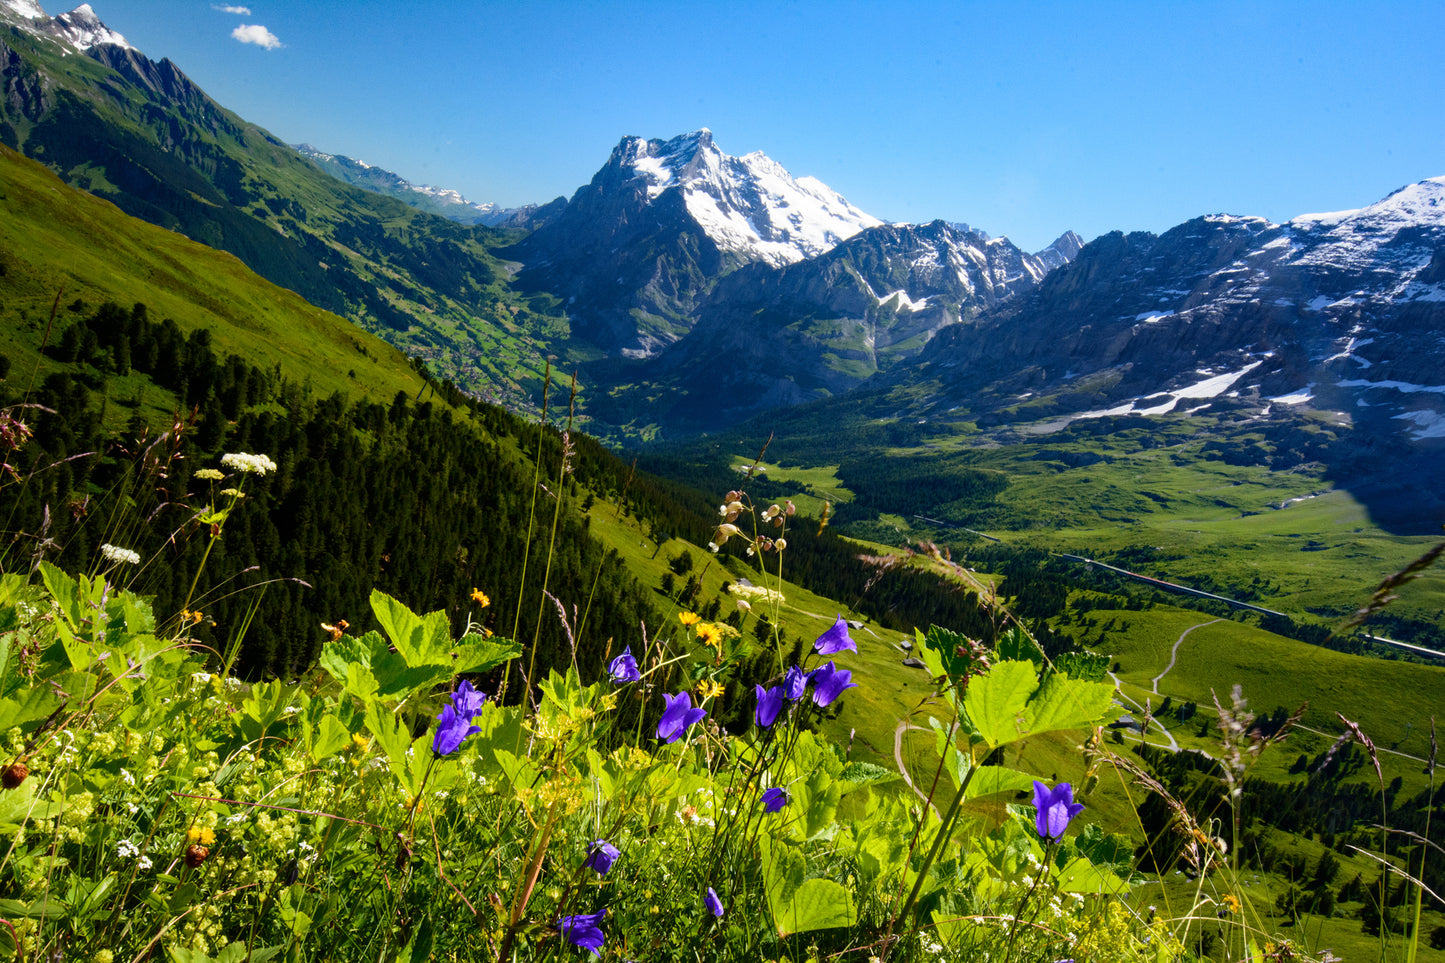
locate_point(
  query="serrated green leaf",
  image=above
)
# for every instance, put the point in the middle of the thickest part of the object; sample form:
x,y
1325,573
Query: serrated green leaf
x,y
995,702
989,780
402,626
476,653
27,705
1064,703
818,904
1082,876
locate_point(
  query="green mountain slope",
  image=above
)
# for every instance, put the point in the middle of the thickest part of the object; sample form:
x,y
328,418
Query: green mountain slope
x,y
142,135
60,242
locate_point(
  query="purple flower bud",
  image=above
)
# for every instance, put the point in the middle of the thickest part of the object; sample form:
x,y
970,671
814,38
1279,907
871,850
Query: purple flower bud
x,y
770,703
468,701
835,639
795,683
452,729
600,856
775,799
584,930
828,682
714,905
677,716
624,667
1056,809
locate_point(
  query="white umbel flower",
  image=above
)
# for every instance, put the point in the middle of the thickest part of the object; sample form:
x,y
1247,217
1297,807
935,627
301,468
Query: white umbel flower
x,y
113,553
251,464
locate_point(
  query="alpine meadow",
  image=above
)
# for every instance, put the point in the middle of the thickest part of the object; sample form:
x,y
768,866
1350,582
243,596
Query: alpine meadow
x,y
695,567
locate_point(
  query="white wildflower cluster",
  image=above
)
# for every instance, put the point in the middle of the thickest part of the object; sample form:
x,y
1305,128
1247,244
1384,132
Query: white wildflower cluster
x,y
250,464
115,554
126,849
209,474
755,593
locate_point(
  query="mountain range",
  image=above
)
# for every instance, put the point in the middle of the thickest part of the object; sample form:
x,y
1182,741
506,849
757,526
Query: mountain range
x,y
693,290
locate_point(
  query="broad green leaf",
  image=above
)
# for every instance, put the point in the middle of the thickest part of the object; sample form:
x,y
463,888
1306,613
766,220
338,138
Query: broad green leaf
x,y
784,869
27,705
476,653
1081,876
995,702
66,591
1064,703
818,904
1015,645
932,658
327,738
989,780
403,626
1086,666
386,727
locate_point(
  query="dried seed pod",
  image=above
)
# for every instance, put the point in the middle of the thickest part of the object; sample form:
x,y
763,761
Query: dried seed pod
x,y
13,775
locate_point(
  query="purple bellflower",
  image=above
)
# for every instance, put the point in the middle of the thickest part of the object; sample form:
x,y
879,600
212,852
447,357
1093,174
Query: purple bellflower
x,y
452,729
584,930
775,799
714,905
600,856
1056,809
795,683
624,667
828,682
677,716
770,703
468,700
835,639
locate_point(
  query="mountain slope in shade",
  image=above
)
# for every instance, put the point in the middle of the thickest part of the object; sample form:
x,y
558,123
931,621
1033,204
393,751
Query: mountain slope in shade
x,y
772,336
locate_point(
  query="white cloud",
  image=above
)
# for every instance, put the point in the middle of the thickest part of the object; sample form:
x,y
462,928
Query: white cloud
x,y
239,11
256,34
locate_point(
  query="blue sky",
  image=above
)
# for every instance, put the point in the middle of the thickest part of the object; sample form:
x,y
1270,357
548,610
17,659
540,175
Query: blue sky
x,y
1025,119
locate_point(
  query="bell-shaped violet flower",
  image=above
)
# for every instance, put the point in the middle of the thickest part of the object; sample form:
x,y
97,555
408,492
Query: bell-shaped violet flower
x,y
795,683
775,799
835,639
600,856
624,667
770,703
584,930
468,700
1056,809
452,729
677,716
829,681
713,904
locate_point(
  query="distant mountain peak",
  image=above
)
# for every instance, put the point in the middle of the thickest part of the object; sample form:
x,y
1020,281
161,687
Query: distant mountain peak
x,y
749,205
80,29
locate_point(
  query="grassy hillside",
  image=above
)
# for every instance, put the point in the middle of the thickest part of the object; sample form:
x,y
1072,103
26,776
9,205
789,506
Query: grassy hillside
x,y
59,242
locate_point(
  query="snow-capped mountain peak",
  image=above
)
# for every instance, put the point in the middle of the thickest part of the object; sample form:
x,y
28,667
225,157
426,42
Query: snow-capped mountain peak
x,y
80,29
749,205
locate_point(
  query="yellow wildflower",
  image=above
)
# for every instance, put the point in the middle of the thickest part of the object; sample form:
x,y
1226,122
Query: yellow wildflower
x,y
709,689
202,835
480,598
710,635
1231,902
689,618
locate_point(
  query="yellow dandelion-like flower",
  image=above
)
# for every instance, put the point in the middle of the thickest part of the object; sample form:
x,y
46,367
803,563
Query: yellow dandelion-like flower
x,y
1231,902
709,689
480,598
689,618
202,835
710,635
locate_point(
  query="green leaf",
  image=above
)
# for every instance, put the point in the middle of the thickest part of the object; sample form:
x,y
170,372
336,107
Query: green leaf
x,y
818,904
476,653
1064,703
403,626
989,780
1081,876
1086,666
328,738
1015,645
995,702
27,705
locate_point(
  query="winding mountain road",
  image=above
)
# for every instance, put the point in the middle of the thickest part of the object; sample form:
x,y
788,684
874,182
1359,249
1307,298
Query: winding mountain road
x,y
1174,652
